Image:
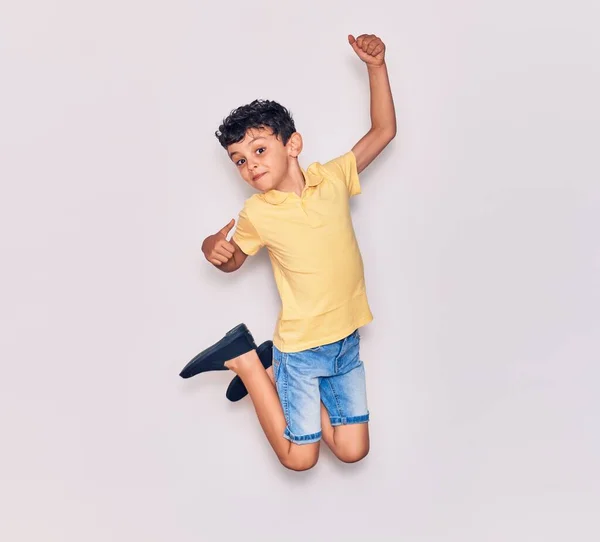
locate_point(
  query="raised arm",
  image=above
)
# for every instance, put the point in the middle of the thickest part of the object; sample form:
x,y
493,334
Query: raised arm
x,y
371,50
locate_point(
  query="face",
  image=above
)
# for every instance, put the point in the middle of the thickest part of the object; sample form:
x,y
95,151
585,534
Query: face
x,y
262,159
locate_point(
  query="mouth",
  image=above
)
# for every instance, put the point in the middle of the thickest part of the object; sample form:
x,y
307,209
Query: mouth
x,y
256,177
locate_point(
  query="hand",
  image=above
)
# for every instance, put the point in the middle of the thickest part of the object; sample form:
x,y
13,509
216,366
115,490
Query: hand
x,y
216,248
369,48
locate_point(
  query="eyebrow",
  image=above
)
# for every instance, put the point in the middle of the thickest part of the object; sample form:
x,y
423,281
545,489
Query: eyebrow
x,y
252,140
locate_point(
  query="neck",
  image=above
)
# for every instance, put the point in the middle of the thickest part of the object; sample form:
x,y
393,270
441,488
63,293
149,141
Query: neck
x,y
294,180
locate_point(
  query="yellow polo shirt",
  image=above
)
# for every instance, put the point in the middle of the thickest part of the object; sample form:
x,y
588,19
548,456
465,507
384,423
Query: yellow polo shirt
x,y
316,261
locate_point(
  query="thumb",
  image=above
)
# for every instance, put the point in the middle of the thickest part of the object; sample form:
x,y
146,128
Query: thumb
x,y
352,41
225,231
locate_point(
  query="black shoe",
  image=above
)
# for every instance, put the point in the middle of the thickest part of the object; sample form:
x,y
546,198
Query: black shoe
x,y
236,389
236,342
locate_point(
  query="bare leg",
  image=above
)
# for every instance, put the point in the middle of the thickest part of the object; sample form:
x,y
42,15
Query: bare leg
x,y
270,414
349,443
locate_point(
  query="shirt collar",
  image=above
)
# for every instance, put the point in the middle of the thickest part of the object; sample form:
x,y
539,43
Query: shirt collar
x,y
276,197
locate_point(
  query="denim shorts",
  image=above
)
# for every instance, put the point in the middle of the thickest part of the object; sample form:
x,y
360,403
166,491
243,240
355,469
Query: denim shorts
x,y
332,373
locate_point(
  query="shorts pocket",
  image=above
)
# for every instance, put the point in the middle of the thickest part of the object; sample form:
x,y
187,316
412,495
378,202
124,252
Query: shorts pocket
x,y
276,368
350,356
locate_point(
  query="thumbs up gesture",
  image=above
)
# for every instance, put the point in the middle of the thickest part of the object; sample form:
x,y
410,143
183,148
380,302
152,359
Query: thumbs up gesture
x,y
216,248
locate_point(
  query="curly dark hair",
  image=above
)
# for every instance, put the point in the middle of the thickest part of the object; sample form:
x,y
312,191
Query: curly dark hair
x,y
258,114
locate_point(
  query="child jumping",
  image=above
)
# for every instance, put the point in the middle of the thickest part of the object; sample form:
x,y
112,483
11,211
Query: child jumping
x,y
316,386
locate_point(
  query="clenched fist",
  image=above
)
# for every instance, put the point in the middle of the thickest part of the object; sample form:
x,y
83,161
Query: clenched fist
x,y
369,48
216,248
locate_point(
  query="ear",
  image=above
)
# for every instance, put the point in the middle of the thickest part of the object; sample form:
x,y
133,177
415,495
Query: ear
x,y
294,145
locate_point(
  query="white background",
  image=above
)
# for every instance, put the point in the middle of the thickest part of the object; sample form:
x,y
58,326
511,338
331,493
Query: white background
x,y
478,227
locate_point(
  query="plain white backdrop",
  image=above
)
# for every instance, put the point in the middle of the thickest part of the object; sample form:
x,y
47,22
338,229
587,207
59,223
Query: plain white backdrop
x,y
479,229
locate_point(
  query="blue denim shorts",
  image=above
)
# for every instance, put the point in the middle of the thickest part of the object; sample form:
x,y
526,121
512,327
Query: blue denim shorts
x,y
332,373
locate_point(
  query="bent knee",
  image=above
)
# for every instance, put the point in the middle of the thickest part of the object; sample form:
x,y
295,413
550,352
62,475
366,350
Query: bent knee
x,y
298,464
300,461
352,454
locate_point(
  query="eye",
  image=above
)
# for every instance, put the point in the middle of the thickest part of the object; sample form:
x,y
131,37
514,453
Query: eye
x,y
240,162
261,150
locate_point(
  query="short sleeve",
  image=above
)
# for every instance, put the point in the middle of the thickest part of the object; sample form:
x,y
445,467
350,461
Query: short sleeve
x,y
344,168
246,236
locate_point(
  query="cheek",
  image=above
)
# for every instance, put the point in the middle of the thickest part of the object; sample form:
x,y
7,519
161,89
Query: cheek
x,y
278,164
243,172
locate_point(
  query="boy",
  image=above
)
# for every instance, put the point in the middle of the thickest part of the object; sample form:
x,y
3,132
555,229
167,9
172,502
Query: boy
x,y
316,387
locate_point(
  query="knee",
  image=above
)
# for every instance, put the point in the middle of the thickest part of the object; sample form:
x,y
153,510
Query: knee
x,y
352,454
299,463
